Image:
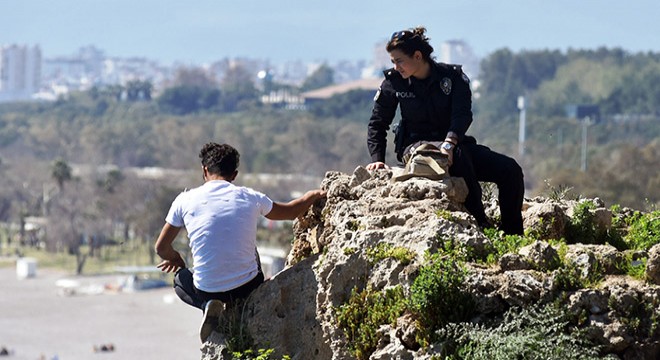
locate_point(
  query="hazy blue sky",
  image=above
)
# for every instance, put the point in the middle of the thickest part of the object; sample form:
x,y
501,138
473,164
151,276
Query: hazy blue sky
x,y
198,31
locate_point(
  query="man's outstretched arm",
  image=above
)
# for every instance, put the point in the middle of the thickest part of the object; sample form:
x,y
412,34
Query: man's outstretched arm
x,y
295,207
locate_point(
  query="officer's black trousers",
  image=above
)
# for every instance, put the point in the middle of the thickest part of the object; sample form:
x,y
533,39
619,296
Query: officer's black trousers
x,y
476,163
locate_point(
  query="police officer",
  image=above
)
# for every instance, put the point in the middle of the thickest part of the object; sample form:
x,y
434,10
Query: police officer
x,y
435,102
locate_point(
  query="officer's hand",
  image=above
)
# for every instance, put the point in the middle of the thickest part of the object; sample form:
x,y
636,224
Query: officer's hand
x,y
377,165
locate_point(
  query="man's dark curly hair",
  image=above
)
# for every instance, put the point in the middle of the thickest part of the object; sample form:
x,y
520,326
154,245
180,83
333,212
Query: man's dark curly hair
x,y
220,159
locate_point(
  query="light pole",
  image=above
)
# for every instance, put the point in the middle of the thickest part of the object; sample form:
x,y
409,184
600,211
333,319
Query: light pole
x,y
585,123
521,128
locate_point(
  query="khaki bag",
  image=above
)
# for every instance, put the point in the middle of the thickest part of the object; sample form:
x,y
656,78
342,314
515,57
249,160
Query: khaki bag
x,y
427,161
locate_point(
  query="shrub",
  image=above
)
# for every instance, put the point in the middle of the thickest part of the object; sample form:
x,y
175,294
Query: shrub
x,y
454,249
570,277
362,315
643,230
632,267
532,333
583,228
436,295
559,193
505,244
232,325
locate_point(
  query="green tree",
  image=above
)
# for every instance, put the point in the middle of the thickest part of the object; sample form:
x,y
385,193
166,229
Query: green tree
x,y
354,104
238,90
195,77
138,90
506,75
193,90
182,100
61,172
322,77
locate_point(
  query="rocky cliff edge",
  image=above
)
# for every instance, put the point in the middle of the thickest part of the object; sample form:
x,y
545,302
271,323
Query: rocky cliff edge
x,y
343,247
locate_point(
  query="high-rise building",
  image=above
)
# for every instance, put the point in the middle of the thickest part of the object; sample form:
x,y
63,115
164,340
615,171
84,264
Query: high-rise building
x,y
459,52
20,72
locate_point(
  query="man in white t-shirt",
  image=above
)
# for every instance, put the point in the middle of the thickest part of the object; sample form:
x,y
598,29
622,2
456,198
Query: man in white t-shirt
x,y
221,221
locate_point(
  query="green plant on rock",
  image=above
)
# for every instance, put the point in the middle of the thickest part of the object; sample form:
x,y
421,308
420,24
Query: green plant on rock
x,y
260,354
541,231
437,296
583,228
543,333
618,228
353,225
561,247
364,313
505,244
571,277
348,251
385,250
233,326
453,249
643,230
445,214
635,268
559,193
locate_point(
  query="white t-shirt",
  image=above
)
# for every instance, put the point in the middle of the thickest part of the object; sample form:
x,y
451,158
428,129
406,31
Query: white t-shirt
x,y
221,220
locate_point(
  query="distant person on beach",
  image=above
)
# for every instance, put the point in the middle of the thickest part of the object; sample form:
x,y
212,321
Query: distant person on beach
x,y
221,221
435,103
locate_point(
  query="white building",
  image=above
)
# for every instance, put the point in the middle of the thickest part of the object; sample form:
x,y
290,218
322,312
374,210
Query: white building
x,y
460,53
20,72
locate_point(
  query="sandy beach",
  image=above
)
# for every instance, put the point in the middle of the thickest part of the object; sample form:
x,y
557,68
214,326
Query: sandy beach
x,y
37,321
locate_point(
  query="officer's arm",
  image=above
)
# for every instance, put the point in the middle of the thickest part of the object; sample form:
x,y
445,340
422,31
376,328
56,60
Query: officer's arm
x,y
385,104
461,105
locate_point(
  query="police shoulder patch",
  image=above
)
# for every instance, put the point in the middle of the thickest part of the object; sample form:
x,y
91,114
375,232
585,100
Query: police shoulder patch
x,y
445,85
377,95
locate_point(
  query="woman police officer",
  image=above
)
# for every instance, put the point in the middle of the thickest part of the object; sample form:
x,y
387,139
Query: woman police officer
x,y
436,106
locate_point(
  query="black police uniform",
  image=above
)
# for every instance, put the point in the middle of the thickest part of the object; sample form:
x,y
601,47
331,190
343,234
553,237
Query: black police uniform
x,y
430,109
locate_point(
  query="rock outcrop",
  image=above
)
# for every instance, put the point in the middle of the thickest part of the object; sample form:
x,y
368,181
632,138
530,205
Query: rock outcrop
x,y
295,313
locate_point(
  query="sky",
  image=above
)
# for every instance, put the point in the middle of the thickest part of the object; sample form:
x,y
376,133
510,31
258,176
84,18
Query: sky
x,y
203,31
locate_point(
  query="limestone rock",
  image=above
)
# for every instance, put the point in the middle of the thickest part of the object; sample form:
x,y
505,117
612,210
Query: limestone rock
x,y
295,313
541,255
547,219
653,265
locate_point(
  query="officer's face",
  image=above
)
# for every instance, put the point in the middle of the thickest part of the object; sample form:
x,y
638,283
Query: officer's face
x,y
406,65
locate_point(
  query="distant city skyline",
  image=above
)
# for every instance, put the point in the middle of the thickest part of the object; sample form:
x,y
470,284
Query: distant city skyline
x,y
204,31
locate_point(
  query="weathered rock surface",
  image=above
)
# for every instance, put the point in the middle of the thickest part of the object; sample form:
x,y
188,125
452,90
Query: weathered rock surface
x,y
294,313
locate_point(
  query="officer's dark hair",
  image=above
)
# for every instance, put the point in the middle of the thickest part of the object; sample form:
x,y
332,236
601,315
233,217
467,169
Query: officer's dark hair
x,y
219,159
411,40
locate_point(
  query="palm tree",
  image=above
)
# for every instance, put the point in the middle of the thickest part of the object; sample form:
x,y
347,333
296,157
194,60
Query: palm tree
x,y
61,172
